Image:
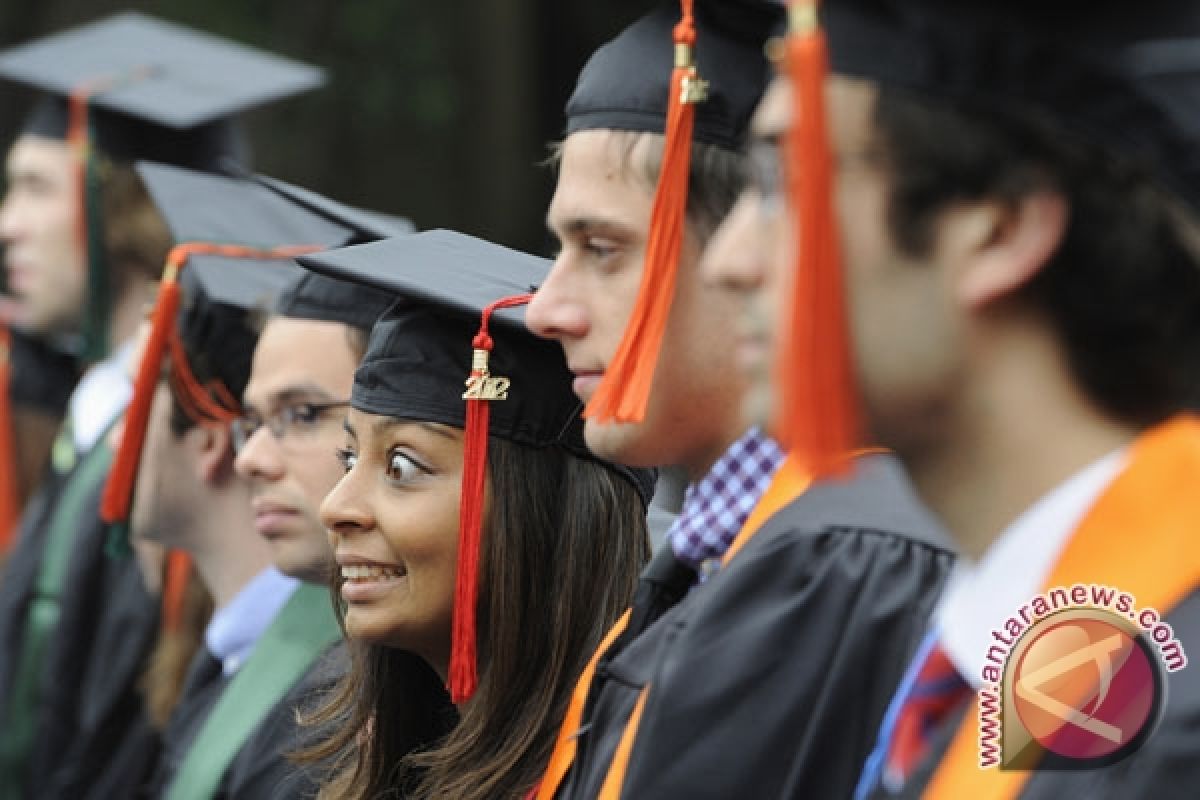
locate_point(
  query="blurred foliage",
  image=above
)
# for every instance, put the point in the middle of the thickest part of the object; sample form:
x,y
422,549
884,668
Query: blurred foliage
x,y
439,111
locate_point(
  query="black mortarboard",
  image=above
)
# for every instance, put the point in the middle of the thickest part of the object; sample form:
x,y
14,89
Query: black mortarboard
x,y
420,351
133,87
367,225
441,330
320,297
1126,77
624,85
217,289
234,254
161,91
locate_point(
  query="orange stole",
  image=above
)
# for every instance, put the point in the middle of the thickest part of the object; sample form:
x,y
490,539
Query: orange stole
x,y
788,483
1159,493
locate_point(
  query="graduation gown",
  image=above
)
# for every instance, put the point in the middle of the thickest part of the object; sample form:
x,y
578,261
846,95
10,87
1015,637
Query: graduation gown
x,y
1139,536
73,496
262,768
260,763
93,737
1167,767
770,679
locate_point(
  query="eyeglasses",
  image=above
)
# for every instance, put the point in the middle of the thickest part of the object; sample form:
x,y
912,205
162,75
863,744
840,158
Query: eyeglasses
x,y
296,420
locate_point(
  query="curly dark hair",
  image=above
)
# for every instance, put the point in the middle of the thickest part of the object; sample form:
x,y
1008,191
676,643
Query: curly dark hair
x,y
1122,289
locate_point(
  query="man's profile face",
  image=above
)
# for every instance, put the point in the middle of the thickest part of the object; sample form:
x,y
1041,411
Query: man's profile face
x,y
600,215
45,272
752,253
289,477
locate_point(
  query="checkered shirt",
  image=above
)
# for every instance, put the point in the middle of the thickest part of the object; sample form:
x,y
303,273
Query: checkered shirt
x,y
716,506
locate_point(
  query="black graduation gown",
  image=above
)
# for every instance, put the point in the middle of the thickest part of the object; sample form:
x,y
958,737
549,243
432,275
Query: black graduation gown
x,y
19,574
18,586
1167,767
93,731
770,680
261,768
43,376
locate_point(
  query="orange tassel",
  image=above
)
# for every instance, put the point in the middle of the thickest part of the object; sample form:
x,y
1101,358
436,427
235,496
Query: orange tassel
x,y
816,414
177,573
9,496
624,392
481,390
118,491
163,339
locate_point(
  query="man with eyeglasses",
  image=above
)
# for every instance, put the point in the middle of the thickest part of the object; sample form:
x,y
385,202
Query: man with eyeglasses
x,y
291,426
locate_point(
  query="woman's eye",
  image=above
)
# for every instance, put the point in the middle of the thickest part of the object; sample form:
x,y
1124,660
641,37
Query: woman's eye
x,y
401,468
347,457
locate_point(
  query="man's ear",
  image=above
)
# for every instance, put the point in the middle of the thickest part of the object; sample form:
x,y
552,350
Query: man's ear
x,y
1005,246
214,452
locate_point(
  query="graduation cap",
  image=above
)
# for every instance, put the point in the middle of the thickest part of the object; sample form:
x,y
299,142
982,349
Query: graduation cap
x,y
693,72
458,317
235,243
157,90
320,297
626,83
1125,77
134,87
367,225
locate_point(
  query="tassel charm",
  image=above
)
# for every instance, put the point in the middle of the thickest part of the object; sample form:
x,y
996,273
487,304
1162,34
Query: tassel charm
x,y
480,384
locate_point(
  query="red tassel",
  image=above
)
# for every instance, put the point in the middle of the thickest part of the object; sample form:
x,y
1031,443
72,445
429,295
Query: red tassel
x,y
118,491
817,402
9,495
177,573
624,392
482,388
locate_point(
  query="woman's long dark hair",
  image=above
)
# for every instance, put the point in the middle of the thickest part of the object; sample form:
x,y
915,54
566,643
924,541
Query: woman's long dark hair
x,y
565,539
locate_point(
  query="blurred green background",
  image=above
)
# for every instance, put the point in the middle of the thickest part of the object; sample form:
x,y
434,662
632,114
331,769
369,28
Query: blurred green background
x,y
437,111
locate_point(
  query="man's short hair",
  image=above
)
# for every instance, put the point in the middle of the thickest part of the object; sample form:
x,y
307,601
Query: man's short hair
x,y
1122,290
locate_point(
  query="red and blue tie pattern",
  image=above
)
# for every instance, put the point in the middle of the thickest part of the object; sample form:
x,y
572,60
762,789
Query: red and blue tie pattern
x,y
938,690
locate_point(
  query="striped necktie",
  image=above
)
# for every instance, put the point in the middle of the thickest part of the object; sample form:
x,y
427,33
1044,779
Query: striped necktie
x,y
938,690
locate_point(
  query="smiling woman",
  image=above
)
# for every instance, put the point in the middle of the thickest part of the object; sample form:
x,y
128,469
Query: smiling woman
x,y
561,535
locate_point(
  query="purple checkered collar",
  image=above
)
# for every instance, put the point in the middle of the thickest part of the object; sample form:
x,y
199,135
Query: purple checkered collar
x,y
716,507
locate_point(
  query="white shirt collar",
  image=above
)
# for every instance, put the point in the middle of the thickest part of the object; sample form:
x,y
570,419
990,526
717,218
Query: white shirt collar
x,y
980,596
235,629
102,394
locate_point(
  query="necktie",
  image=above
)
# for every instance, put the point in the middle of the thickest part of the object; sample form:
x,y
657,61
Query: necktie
x,y
937,691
